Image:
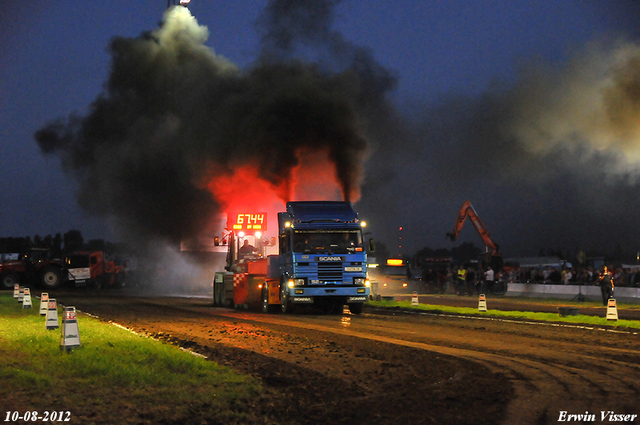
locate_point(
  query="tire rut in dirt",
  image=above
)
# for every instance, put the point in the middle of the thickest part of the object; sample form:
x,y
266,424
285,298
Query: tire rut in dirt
x,y
398,392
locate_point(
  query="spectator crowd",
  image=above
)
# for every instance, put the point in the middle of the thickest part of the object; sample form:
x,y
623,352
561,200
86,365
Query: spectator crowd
x,y
622,276
463,280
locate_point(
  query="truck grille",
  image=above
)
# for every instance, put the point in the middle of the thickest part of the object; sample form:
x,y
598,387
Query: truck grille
x,y
330,271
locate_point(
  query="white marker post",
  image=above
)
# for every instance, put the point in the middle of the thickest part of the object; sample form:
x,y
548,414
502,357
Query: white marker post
x,y
70,337
52,315
26,300
44,303
612,310
482,303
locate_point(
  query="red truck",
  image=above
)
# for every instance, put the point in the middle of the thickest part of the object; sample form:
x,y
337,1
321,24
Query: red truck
x,y
93,269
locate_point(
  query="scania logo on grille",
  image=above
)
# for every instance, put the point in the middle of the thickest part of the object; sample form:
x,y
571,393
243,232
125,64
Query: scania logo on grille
x,y
329,258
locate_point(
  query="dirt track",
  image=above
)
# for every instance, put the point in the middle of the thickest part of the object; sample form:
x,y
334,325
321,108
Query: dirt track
x,y
390,369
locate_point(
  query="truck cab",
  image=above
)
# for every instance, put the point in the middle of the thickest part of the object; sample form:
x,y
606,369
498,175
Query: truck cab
x,y
92,268
322,258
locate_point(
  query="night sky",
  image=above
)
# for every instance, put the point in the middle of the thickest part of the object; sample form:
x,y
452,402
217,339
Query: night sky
x,y
530,110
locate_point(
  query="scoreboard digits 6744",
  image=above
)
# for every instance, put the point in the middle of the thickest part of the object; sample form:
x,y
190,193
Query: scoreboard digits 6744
x,y
249,221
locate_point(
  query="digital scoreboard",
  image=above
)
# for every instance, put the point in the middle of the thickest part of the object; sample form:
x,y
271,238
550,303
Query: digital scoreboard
x,y
249,222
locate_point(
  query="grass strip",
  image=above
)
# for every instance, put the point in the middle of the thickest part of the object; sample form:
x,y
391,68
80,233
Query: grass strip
x,y
528,315
115,376
558,302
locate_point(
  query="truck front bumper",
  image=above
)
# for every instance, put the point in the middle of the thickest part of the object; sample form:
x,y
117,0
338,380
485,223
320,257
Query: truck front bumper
x,y
307,294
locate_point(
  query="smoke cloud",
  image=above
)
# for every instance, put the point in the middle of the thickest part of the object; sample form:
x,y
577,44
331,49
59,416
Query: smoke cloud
x,y
175,117
550,161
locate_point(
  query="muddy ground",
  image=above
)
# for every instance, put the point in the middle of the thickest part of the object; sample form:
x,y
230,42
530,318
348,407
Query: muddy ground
x,y
313,377
392,368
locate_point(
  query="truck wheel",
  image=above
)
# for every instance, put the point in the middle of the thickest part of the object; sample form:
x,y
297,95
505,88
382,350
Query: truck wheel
x,y
100,282
285,303
266,308
219,295
357,308
9,280
216,295
51,278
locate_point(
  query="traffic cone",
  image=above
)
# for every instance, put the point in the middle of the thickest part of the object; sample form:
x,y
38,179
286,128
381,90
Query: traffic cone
x,y
612,310
44,303
26,298
16,290
414,298
70,336
52,315
482,303
21,295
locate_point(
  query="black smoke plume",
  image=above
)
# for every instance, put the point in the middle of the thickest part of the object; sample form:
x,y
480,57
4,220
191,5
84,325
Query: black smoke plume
x,y
549,161
173,112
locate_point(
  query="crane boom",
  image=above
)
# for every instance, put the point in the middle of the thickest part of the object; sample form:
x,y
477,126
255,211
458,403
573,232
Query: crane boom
x,y
467,210
492,258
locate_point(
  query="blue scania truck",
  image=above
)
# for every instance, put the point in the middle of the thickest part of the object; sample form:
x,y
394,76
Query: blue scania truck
x,y
322,259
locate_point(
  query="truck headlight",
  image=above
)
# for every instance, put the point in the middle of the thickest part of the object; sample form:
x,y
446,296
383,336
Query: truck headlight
x,y
360,281
295,282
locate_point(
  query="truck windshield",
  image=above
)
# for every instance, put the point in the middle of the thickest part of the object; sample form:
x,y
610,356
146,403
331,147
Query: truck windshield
x,y
327,241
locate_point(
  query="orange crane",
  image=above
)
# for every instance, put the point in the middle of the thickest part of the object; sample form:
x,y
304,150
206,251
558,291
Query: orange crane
x,y
492,257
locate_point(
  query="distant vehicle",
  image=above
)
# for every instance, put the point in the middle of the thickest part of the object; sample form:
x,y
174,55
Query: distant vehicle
x,y
35,267
93,269
392,277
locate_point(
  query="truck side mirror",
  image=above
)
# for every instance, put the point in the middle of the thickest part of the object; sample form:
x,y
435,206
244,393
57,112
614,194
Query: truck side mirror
x,y
372,246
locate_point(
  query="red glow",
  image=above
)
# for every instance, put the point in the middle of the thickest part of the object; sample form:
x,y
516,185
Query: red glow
x,y
243,191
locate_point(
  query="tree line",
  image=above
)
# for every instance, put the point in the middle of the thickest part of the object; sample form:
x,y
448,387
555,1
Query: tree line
x,y
59,245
